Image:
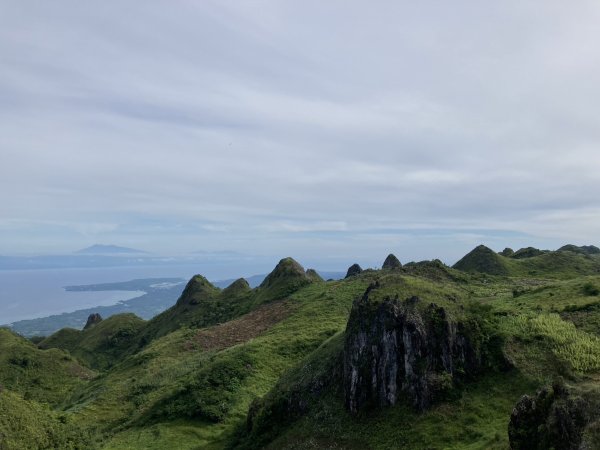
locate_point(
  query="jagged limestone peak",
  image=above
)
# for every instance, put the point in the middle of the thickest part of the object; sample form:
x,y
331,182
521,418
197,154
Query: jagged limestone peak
x,y
93,319
391,262
237,287
287,268
353,270
197,288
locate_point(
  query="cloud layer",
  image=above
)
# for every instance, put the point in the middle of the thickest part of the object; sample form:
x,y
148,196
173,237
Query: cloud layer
x,y
318,129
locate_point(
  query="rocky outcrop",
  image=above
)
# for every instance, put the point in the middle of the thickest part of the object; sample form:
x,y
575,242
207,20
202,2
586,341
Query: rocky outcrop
x,y
93,319
391,262
558,418
353,270
405,348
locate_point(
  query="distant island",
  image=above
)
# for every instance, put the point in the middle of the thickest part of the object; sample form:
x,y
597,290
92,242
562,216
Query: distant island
x,y
160,293
99,249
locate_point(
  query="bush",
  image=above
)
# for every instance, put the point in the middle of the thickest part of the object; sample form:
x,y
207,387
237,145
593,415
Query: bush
x,y
591,290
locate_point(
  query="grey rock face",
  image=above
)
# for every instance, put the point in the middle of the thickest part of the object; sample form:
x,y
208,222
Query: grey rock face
x,y
92,320
353,270
395,348
391,262
556,418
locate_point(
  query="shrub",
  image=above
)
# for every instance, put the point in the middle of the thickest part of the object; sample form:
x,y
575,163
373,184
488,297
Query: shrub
x,y
590,289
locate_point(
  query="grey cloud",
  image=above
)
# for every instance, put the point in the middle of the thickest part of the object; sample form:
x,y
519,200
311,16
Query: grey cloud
x,y
287,118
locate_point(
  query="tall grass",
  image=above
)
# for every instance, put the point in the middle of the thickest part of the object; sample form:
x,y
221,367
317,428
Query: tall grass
x,y
579,349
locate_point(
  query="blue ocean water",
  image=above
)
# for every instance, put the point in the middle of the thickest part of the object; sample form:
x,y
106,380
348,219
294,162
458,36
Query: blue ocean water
x,y
29,294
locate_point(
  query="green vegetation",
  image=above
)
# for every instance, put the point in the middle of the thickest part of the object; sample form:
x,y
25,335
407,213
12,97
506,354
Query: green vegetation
x,y
101,345
578,349
44,376
255,368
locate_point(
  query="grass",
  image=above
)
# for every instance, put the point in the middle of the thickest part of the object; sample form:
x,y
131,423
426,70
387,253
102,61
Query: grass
x,y
148,389
477,421
191,375
102,345
26,424
578,349
46,376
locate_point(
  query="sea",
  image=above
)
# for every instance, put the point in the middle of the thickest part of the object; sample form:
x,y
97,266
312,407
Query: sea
x,y
30,294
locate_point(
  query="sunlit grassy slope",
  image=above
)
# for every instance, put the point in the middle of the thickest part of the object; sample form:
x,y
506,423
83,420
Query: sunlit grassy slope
x,y
187,378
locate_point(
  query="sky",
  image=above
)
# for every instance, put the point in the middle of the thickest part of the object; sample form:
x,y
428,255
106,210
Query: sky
x,y
328,131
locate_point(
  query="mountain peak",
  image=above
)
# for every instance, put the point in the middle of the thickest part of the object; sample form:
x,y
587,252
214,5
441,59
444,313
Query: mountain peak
x,y
93,319
237,287
353,270
482,259
391,262
287,268
196,290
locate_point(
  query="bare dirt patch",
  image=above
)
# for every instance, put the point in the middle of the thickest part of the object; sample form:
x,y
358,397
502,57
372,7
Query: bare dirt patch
x,y
241,329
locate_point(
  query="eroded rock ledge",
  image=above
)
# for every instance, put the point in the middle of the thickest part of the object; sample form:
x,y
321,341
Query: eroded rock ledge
x,y
394,348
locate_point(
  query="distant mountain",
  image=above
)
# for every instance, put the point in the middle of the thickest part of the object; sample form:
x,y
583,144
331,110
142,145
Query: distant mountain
x,y
568,261
584,249
99,249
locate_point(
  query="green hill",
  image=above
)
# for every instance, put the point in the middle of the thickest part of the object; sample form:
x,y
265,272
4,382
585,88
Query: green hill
x,y
42,375
529,261
485,260
101,345
423,357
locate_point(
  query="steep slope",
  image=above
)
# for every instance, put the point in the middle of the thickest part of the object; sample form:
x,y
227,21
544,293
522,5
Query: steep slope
x,y
287,277
456,353
201,304
26,424
195,385
101,344
42,375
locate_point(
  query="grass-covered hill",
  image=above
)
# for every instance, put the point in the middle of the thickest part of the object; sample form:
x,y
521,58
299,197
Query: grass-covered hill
x,y
567,262
417,356
101,345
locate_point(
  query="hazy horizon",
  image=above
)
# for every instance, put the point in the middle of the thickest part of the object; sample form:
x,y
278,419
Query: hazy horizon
x,y
335,132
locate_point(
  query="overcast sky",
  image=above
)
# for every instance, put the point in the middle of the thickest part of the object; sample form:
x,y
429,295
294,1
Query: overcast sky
x,y
316,129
